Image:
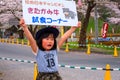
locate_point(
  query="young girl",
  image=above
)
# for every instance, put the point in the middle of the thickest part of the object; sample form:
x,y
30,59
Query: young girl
x,y
45,47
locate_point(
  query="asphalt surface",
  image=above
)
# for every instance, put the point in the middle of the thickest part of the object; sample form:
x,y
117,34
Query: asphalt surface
x,y
14,70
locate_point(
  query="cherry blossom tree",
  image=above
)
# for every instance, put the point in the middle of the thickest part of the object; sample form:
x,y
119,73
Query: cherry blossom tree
x,y
115,19
12,10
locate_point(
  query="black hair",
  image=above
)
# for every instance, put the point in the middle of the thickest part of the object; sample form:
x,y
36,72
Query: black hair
x,y
39,42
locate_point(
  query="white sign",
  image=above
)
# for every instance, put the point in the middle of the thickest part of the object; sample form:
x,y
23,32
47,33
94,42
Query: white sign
x,y
102,1
50,12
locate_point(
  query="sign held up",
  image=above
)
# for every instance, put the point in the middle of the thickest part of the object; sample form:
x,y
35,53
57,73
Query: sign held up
x,y
49,12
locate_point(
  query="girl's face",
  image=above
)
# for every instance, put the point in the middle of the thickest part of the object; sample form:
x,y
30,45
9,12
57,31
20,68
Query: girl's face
x,y
48,42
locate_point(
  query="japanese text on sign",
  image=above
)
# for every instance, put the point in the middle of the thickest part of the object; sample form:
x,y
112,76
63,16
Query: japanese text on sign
x,y
48,12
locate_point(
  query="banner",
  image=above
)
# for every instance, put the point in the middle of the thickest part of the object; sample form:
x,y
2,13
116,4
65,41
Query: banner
x,y
104,30
50,12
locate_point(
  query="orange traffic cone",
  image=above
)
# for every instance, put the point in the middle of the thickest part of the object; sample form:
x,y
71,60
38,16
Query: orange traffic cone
x,y
88,49
115,52
107,73
67,48
35,71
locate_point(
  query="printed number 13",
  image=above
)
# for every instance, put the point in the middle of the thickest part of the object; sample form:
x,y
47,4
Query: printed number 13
x,y
51,62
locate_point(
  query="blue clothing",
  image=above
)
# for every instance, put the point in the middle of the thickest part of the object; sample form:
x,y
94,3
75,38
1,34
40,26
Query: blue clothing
x,y
47,61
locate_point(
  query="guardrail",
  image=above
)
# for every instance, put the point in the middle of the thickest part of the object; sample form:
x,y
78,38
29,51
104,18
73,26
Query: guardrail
x,y
15,41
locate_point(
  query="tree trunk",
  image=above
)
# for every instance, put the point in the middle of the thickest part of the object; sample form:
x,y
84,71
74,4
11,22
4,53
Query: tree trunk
x,y
21,35
82,38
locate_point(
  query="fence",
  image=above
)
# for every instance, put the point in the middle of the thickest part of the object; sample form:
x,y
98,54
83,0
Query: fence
x,y
26,42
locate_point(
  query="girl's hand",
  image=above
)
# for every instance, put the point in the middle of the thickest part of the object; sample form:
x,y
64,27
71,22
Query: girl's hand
x,y
22,23
78,25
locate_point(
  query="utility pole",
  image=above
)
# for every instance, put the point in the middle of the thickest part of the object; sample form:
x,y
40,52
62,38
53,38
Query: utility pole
x,y
96,24
96,18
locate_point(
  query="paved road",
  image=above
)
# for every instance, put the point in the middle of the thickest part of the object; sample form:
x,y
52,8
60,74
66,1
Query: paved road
x,y
13,70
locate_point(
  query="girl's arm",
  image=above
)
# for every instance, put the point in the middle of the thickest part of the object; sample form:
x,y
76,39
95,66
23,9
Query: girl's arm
x,y
29,36
67,34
